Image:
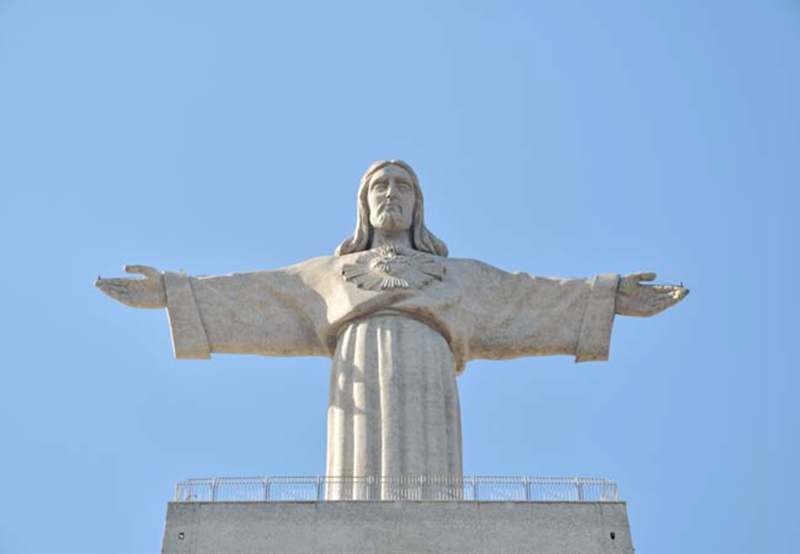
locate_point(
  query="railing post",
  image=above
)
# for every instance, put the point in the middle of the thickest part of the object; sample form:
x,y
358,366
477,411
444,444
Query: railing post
x,y
266,489
214,490
526,482
318,484
474,487
579,489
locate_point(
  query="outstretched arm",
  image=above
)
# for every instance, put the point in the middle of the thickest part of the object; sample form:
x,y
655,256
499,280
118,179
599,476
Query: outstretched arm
x,y
636,299
510,315
272,313
514,315
149,292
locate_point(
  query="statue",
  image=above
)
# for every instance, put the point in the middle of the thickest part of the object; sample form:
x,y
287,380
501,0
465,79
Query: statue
x,y
399,319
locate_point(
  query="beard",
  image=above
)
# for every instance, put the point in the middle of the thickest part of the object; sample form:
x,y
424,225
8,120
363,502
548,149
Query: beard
x,y
391,219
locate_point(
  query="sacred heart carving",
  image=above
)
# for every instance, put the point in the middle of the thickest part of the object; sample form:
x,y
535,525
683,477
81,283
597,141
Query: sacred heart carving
x,y
390,267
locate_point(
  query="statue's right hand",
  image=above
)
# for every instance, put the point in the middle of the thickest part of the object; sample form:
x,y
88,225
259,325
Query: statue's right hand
x,y
139,293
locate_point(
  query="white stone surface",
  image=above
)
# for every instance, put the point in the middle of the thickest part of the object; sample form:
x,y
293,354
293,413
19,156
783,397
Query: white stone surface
x,y
396,351
394,406
397,528
399,319
481,311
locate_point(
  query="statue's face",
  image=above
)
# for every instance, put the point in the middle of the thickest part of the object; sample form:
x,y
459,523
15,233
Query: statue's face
x,y
391,198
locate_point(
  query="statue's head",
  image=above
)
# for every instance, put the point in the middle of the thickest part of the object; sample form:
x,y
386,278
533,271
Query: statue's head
x,y
402,214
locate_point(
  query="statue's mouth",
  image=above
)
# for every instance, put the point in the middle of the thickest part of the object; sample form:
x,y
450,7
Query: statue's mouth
x,y
391,206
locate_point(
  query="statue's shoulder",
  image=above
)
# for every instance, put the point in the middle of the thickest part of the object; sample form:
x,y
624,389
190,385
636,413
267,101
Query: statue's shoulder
x,y
321,266
318,265
468,265
319,261
482,274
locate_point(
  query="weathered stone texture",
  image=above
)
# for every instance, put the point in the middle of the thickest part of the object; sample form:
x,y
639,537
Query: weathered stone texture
x,y
397,528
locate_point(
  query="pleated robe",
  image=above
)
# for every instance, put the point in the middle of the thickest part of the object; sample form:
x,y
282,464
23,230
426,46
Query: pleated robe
x,y
393,407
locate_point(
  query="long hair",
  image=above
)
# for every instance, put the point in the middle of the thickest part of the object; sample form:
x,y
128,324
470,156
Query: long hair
x,y
422,239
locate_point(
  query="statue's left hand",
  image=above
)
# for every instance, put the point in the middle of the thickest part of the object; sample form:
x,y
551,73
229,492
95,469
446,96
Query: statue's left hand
x,y
634,298
138,293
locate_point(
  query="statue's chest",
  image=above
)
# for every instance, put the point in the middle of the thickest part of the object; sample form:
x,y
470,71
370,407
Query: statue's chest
x,y
389,268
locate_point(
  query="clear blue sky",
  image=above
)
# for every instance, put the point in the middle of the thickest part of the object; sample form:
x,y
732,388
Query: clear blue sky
x,y
558,138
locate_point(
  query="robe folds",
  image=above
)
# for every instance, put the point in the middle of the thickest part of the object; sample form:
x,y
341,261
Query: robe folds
x,y
396,351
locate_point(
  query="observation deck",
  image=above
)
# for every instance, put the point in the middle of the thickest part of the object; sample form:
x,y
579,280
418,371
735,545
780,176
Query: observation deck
x,y
407,514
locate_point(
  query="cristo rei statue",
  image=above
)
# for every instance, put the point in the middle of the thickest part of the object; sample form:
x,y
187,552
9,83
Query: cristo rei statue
x,y
399,319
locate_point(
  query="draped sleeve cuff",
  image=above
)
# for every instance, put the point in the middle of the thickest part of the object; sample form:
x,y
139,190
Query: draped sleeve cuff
x,y
189,339
595,334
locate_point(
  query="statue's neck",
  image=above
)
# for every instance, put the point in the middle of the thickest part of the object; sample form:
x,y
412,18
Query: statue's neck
x,y
382,237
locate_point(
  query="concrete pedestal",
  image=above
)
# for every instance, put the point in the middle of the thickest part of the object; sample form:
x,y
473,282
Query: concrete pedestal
x,y
397,528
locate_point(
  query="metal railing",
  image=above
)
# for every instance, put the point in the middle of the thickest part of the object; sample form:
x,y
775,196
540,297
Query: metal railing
x,y
407,487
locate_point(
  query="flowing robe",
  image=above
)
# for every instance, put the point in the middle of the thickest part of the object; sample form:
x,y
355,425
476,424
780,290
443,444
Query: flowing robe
x,y
396,351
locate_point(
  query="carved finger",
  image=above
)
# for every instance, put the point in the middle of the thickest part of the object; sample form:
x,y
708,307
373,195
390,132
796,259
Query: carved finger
x,y
113,291
145,270
101,284
648,276
105,284
119,283
116,287
661,289
673,292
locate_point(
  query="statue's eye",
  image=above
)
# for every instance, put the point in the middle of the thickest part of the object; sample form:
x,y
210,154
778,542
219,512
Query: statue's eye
x,y
380,186
405,187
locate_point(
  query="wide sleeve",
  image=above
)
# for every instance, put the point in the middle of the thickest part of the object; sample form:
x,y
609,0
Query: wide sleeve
x,y
515,314
271,313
